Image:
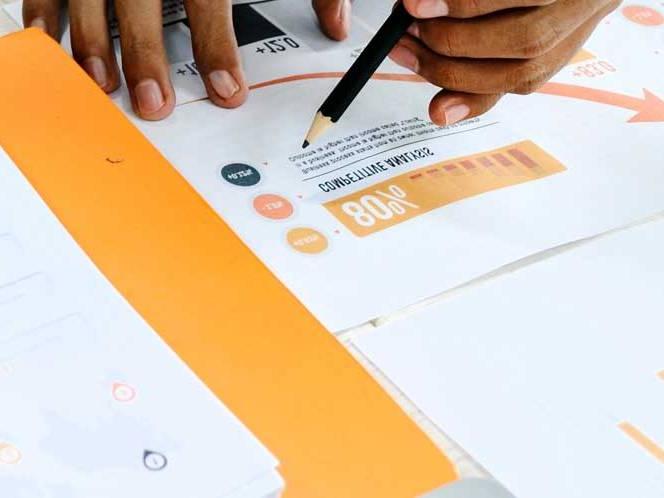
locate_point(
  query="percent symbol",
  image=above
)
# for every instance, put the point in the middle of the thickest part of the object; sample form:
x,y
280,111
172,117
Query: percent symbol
x,y
384,205
396,199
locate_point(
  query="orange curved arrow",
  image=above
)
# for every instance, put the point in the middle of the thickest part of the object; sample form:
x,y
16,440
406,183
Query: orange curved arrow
x,y
650,108
413,78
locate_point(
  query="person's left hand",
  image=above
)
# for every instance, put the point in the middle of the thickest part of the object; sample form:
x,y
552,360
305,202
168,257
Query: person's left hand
x,y
478,50
144,61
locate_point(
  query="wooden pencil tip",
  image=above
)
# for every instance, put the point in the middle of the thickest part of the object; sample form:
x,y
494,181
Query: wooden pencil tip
x,y
318,127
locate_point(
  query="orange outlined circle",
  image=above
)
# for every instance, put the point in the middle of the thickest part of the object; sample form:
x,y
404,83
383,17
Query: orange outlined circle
x,y
273,206
645,16
9,455
307,240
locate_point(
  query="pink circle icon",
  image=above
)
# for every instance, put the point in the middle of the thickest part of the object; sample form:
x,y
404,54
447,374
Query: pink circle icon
x,y
123,393
642,15
273,206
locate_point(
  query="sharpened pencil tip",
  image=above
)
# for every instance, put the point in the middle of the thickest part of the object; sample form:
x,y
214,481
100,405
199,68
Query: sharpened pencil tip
x,y
305,144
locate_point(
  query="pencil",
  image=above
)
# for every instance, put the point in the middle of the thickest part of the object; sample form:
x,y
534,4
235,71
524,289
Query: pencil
x,y
360,72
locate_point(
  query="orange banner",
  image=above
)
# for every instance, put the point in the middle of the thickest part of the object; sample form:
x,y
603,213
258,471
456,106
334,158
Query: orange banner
x,y
422,190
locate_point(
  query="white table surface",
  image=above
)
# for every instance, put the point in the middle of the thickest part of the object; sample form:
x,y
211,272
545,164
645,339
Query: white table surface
x,y
466,466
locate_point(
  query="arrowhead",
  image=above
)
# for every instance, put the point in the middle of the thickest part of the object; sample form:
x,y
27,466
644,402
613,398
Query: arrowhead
x,y
651,109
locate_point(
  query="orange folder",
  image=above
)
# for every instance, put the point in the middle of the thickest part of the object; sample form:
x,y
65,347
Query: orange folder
x,y
335,431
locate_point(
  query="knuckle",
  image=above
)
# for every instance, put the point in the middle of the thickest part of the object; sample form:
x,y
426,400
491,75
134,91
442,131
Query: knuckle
x,y
538,38
85,40
443,41
198,4
527,78
214,43
142,46
470,8
452,79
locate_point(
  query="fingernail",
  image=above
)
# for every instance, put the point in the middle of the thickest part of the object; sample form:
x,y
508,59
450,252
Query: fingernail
x,y
96,68
414,30
431,8
344,12
149,97
224,84
38,23
456,113
404,57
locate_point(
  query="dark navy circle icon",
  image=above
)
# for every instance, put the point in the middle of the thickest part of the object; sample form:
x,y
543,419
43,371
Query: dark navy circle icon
x,y
154,461
241,175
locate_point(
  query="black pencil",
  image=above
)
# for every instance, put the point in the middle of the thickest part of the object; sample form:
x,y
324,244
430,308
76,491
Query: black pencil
x,y
360,72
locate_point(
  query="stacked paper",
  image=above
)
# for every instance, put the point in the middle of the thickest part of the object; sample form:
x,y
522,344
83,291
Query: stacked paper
x,y
93,402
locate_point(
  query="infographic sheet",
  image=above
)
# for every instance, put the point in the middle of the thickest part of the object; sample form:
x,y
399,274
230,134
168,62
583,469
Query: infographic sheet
x,y
389,209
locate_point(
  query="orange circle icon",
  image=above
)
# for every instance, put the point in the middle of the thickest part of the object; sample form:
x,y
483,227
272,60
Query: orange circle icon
x,y
642,15
307,240
273,206
9,455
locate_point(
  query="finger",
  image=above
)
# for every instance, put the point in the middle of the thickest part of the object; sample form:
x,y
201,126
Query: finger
x,y
144,58
216,51
334,17
490,76
91,42
43,14
448,107
426,9
514,34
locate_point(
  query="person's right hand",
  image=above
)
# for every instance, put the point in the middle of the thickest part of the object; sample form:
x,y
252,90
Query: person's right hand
x,y
479,50
144,61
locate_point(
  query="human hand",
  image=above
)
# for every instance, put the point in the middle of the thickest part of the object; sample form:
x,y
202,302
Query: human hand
x,y
144,62
479,50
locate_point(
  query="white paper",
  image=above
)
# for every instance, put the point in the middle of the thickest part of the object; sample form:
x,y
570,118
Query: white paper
x,y
94,403
612,169
632,38
535,373
360,278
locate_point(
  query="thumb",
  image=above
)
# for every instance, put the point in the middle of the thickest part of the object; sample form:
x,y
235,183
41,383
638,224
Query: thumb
x,y
334,17
449,107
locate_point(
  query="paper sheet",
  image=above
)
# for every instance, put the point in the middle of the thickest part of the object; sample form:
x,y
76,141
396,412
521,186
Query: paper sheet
x,y
111,409
388,210
550,377
632,38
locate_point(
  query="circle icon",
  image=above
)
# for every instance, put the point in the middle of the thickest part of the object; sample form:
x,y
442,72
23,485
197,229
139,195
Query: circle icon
x,y
9,455
307,240
645,16
123,393
154,461
240,175
273,206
